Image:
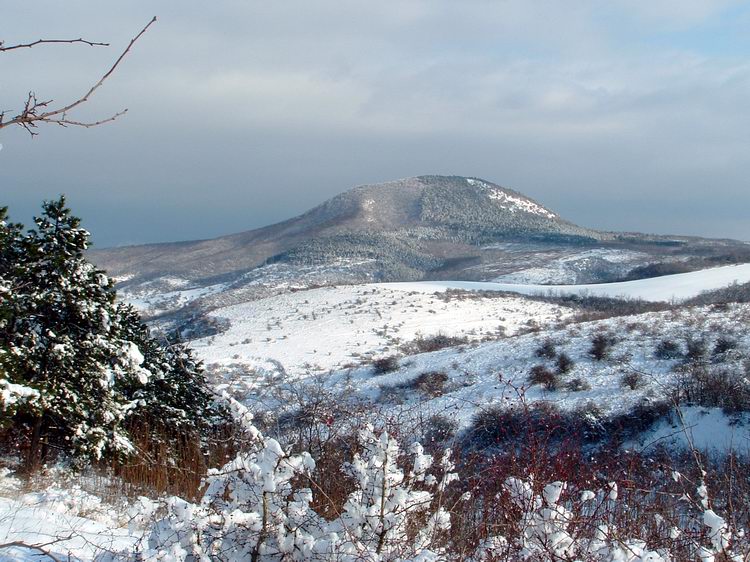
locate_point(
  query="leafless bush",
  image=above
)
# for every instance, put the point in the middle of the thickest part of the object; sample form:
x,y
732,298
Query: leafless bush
x,y
601,345
712,386
543,376
440,429
564,363
577,385
723,345
667,349
546,350
385,365
430,384
632,380
436,342
696,349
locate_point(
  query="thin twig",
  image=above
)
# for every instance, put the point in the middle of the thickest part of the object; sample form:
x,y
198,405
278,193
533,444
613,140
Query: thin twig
x,y
45,41
34,110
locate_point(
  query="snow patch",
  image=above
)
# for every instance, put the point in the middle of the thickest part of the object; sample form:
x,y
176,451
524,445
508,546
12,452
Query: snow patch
x,y
510,202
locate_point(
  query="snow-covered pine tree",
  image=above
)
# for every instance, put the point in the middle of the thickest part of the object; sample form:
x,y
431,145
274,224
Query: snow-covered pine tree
x,y
64,355
10,251
78,371
174,399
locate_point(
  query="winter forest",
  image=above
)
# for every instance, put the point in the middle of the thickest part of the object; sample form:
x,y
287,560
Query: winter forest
x,y
436,368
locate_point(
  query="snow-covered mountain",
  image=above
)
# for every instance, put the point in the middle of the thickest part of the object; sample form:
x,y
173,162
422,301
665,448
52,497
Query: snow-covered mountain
x,y
397,219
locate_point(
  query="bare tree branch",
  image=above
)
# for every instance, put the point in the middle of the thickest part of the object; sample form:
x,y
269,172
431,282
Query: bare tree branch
x,y
35,111
40,548
3,48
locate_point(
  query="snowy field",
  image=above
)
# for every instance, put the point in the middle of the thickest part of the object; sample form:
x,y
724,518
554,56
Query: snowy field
x,y
568,269
676,287
318,330
484,374
335,332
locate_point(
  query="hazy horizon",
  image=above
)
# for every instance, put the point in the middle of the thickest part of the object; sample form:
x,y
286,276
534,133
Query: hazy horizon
x,y
242,114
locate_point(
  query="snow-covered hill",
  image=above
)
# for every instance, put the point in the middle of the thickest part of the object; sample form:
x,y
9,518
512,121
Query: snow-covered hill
x,y
413,229
497,373
677,287
317,330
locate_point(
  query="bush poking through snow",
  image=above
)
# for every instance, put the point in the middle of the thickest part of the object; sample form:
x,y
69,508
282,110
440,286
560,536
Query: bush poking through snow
x,y
430,384
546,350
577,385
564,363
545,377
668,349
436,342
632,380
601,345
696,349
713,386
723,345
385,365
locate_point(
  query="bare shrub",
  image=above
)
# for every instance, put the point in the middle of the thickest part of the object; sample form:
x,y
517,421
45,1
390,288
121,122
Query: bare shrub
x,y
436,342
546,350
632,380
440,429
577,385
541,375
501,424
431,383
714,387
696,349
385,365
667,349
601,345
564,363
723,345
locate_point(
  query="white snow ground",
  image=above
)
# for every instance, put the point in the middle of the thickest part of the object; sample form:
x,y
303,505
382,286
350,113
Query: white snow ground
x,y
706,429
150,301
568,269
676,287
88,539
317,330
491,373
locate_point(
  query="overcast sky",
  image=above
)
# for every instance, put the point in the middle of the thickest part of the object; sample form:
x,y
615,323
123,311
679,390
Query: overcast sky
x,y
621,115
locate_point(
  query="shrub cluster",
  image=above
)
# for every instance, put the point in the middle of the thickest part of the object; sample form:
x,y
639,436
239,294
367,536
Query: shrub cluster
x,y
436,342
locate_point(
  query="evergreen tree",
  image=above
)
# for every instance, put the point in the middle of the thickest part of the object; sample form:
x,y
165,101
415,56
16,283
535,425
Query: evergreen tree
x,y
175,395
61,342
78,370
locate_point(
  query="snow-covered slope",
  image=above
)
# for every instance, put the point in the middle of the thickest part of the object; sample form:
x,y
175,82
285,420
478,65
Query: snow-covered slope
x,y
322,329
490,373
676,287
